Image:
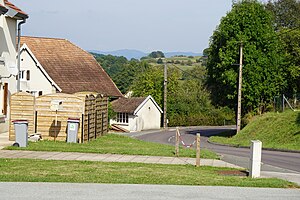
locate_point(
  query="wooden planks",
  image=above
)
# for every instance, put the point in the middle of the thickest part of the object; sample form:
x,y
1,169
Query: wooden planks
x,y
21,108
52,123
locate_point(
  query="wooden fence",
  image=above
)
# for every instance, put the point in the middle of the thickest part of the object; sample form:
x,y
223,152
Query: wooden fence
x,y
90,109
21,107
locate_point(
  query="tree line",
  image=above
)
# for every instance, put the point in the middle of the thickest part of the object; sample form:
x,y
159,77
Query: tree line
x,y
207,94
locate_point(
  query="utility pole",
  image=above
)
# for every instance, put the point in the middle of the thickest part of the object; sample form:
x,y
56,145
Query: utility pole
x,y
239,106
165,95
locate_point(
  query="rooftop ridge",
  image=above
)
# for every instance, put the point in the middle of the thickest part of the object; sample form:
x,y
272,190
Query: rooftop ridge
x,y
43,37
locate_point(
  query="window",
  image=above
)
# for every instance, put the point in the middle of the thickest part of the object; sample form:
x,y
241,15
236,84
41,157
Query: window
x,y
24,75
27,75
122,118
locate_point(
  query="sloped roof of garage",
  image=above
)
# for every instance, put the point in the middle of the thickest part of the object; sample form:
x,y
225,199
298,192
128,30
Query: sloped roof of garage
x,y
132,105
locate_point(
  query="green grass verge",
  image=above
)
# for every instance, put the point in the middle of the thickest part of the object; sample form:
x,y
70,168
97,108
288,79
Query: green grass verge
x,y
115,144
28,170
275,130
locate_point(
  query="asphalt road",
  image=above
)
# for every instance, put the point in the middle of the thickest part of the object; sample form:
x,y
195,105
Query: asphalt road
x,y
272,160
66,191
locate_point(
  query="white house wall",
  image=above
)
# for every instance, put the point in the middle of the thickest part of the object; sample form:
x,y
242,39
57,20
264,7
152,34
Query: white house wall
x,y
38,81
145,118
8,53
149,116
131,126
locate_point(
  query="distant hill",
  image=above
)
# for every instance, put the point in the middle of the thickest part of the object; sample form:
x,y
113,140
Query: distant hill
x,y
131,53
127,53
171,54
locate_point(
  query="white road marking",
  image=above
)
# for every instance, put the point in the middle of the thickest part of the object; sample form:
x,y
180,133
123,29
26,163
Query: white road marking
x,y
171,138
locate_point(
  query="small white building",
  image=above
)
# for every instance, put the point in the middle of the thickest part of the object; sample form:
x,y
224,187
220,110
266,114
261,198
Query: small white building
x,y
137,113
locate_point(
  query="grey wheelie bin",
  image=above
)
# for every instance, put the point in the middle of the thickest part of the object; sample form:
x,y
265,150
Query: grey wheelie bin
x,y
72,130
21,133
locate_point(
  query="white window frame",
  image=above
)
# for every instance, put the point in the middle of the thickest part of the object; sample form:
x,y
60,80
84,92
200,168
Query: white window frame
x,y
123,118
22,75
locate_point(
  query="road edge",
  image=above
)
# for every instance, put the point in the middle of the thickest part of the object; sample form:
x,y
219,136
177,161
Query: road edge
x,y
248,147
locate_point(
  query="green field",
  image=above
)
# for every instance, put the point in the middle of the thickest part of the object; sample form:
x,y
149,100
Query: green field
x,y
114,144
184,63
27,170
275,130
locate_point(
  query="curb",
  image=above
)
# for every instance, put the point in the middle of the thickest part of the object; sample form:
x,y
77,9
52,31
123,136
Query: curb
x,y
246,147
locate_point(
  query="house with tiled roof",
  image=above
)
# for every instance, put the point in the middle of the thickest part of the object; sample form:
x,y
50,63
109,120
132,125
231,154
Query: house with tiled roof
x,y
51,65
11,17
136,113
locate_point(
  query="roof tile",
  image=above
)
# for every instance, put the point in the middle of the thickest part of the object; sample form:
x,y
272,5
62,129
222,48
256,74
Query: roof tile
x,y
127,105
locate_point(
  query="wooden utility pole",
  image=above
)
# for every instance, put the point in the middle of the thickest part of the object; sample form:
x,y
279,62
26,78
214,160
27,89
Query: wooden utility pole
x,y
198,150
165,95
239,106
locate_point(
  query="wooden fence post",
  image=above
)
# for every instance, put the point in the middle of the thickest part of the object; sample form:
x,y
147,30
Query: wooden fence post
x,y
82,128
198,150
88,127
177,142
95,124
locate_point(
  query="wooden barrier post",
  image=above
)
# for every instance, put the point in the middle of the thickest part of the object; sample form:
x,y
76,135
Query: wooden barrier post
x,y
82,128
96,124
177,142
88,127
198,150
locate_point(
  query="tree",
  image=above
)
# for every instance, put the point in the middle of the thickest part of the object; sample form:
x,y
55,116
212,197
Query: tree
x,y
291,46
286,15
149,83
205,52
156,54
121,71
160,61
250,24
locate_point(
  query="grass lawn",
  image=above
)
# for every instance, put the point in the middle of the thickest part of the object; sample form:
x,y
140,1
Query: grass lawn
x,y
275,130
28,170
115,144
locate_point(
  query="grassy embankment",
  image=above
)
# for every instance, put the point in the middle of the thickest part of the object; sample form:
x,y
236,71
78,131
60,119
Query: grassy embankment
x,y
28,170
275,130
115,144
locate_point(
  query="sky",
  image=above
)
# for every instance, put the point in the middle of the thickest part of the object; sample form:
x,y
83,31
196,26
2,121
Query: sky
x,y
145,25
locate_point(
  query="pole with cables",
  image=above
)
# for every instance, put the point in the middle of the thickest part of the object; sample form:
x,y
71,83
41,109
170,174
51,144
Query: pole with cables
x,y
239,106
165,95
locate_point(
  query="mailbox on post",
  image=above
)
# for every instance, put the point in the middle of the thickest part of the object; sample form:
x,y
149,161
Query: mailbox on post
x,y
56,105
